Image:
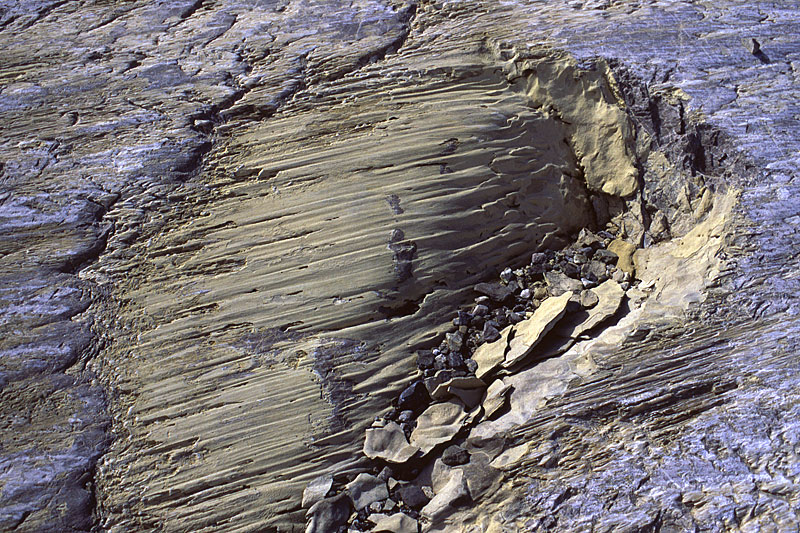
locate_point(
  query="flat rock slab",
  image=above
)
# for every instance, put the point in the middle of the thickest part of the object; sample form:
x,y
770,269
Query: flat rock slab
x,y
388,443
528,333
438,424
316,490
491,354
443,391
453,492
496,397
609,297
396,523
366,489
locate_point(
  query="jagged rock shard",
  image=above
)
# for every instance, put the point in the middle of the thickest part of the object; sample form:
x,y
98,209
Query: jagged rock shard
x,y
455,491
529,332
491,354
316,490
496,396
396,523
366,489
609,296
625,252
388,443
438,424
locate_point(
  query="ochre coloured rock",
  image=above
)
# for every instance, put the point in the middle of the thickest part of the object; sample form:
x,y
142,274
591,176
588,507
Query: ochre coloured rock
x,y
388,443
454,492
625,251
529,332
396,523
609,295
438,424
490,355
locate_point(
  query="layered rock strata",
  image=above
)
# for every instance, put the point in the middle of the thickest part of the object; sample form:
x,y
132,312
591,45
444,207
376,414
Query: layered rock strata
x,y
228,228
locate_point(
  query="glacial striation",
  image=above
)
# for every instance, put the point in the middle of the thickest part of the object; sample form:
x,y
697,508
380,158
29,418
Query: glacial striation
x,y
549,245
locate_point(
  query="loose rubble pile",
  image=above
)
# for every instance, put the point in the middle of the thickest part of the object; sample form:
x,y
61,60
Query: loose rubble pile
x,y
531,314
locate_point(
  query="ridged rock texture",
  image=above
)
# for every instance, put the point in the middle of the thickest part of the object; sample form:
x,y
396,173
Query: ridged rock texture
x,y
227,227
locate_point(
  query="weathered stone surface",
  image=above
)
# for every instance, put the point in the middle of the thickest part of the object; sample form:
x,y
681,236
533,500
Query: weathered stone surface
x,y
316,490
624,251
558,283
453,493
529,332
496,397
396,523
328,514
198,198
365,490
490,355
609,296
438,424
388,443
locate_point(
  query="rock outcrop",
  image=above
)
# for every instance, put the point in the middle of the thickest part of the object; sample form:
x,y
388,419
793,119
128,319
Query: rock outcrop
x,y
229,232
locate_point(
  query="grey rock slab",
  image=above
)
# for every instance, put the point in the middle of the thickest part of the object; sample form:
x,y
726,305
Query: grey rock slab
x,y
388,443
558,283
438,424
366,489
609,297
316,490
328,514
490,355
396,523
528,333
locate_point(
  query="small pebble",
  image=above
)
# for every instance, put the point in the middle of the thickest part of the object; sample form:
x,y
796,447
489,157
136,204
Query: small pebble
x,y
525,294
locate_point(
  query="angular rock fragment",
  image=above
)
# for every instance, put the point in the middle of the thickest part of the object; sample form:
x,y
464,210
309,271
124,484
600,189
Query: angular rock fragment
x,y
451,495
388,443
496,397
413,496
490,355
589,299
609,297
365,490
316,490
529,332
559,283
496,292
414,398
455,456
510,457
438,424
444,390
625,251
396,523
328,514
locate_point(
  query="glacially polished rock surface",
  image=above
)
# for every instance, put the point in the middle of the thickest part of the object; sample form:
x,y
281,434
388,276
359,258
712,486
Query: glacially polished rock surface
x,y
226,227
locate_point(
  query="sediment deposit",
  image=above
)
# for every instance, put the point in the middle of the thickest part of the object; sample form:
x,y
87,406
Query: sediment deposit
x,y
234,235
